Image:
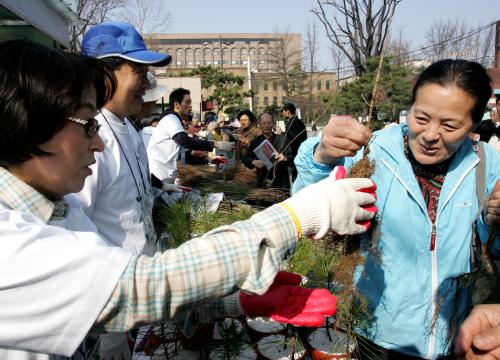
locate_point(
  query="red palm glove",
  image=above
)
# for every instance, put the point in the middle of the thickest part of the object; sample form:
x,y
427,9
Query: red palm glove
x,y
340,173
217,160
288,303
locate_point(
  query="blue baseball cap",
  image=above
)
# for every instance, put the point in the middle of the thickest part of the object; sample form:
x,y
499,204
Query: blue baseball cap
x,y
121,40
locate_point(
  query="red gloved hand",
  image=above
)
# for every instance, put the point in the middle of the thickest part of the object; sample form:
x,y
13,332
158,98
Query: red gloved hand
x,y
287,278
288,303
217,160
340,173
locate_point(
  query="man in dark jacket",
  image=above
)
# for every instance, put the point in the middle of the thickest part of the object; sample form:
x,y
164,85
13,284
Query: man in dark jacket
x,y
295,131
487,128
277,175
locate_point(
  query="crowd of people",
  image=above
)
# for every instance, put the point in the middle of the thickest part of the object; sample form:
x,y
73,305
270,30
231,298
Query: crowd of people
x,y
179,137
79,176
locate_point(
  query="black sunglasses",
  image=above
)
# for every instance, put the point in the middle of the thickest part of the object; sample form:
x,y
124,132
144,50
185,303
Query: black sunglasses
x,y
91,126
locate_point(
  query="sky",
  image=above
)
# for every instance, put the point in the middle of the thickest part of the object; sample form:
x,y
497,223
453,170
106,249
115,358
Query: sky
x,y
413,17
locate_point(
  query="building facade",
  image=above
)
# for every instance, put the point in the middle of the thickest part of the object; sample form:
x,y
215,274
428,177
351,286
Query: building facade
x,y
232,51
263,59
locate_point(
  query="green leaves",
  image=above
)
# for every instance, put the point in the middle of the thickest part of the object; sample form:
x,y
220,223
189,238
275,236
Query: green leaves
x,y
392,96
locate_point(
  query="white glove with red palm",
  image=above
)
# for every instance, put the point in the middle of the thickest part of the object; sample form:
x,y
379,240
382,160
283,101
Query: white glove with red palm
x,y
342,205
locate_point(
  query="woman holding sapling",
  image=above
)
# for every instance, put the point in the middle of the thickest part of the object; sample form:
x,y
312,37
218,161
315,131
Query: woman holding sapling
x,y
425,173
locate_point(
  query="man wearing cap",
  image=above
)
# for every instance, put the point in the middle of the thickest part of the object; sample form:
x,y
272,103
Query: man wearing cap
x,y
118,196
120,175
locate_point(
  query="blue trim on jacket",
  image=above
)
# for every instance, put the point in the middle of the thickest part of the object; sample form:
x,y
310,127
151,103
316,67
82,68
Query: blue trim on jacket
x,y
400,287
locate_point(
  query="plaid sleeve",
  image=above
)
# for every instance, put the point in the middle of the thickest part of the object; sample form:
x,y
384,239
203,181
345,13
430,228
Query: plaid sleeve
x,y
245,255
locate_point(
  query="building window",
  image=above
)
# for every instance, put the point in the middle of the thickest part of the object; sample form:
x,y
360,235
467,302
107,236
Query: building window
x,y
217,54
275,86
253,56
318,85
225,56
207,56
256,86
266,101
197,56
189,57
275,100
179,55
283,100
262,57
327,84
235,57
283,86
256,100
265,86
244,56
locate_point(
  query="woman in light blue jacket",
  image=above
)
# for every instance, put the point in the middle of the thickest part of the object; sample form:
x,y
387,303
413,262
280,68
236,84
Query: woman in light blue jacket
x,y
426,186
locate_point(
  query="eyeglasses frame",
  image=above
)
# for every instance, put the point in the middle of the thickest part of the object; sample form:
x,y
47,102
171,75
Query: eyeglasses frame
x,y
86,125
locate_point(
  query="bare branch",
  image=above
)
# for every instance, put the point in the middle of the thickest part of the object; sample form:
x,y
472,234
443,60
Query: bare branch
x,y
357,28
90,12
147,16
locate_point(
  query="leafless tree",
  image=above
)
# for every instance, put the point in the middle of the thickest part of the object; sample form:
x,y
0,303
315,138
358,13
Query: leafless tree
x,y
147,16
358,28
338,59
311,66
285,56
457,39
486,51
398,48
90,12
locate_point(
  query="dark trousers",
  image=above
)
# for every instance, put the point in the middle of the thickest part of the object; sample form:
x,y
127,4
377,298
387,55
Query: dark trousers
x,y
368,350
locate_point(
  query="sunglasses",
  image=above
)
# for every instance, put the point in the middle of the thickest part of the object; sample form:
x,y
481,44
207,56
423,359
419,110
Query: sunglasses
x,y
91,126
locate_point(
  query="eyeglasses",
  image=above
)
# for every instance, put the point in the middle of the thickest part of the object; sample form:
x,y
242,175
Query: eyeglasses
x,y
91,126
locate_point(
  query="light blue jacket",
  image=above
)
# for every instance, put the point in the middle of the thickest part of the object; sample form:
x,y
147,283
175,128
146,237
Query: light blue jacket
x,y
401,287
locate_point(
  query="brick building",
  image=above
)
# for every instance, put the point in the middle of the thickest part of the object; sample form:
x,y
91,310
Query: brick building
x,y
258,55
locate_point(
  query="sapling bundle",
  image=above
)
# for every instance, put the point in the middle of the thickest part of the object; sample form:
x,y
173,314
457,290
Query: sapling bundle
x,y
352,309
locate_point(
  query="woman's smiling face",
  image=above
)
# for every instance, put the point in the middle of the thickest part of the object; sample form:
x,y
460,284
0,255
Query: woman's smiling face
x,y
439,120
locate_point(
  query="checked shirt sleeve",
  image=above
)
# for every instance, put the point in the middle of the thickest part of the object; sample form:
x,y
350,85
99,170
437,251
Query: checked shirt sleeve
x,y
245,255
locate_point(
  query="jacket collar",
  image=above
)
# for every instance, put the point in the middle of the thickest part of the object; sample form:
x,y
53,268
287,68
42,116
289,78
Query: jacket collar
x,y
391,143
19,196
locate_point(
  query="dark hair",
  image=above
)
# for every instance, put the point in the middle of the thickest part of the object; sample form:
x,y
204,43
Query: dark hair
x,y
39,88
497,98
115,62
176,96
248,113
267,113
290,107
469,76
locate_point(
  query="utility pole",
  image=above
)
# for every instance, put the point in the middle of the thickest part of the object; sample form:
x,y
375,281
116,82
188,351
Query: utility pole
x,y
249,74
220,42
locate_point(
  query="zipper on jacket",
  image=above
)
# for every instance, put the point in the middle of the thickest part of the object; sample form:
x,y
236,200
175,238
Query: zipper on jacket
x,y
433,237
